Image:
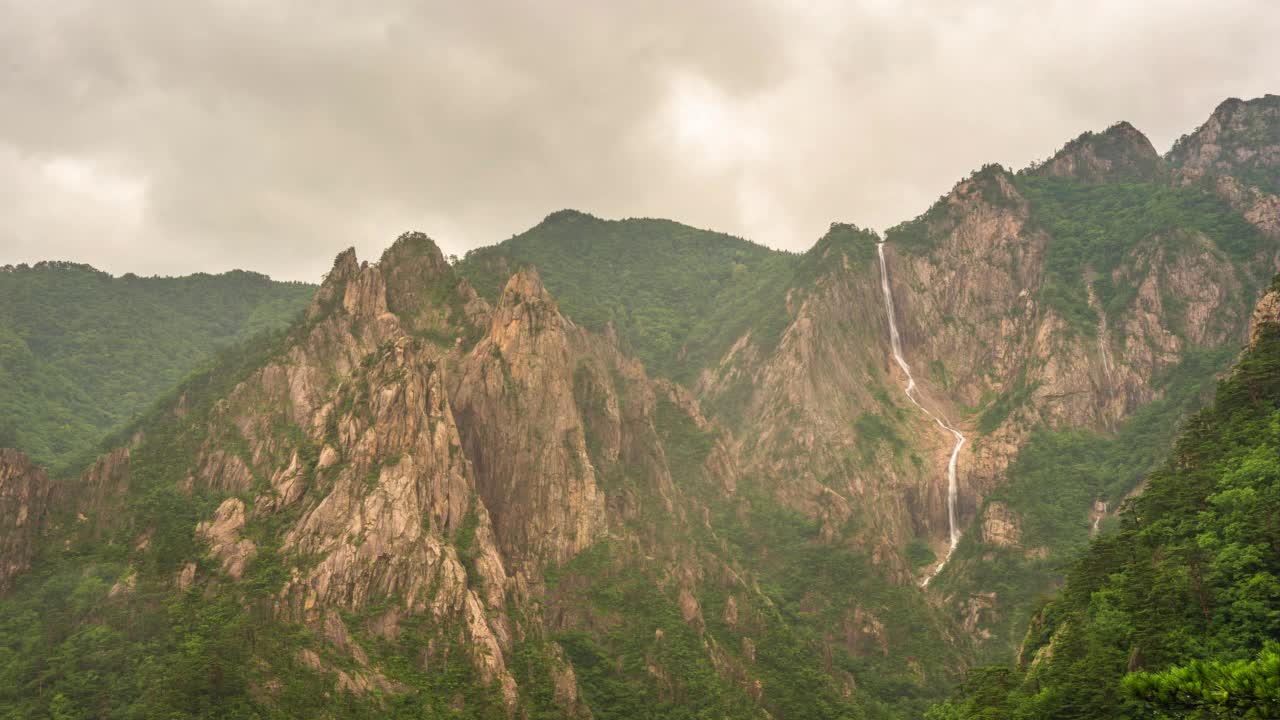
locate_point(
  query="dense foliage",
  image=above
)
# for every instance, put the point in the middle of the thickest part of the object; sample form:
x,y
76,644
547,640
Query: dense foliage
x,y
82,351
677,296
1212,689
1191,578
1093,228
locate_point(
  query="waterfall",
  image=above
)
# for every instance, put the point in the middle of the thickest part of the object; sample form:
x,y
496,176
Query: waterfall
x,y
895,343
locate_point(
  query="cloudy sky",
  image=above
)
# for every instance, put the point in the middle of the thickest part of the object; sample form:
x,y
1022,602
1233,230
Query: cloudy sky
x,y
171,137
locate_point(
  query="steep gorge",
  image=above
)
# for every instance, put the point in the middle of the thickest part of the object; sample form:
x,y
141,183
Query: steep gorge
x,y
895,343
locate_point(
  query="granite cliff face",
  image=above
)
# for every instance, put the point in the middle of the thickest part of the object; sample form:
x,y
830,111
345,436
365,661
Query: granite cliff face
x,y
426,454
978,286
1236,154
25,497
980,282
975,317
821,420
1241,139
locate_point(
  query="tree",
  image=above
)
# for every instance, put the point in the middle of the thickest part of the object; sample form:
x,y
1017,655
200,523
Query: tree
x,y
1213,689
8,433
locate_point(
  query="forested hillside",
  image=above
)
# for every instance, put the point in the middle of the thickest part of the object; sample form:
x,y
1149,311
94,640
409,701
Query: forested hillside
x,y
676,296
82,351
1172,614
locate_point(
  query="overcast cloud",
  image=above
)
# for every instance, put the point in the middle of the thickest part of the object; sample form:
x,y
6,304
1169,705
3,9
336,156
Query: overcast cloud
x,y
173,137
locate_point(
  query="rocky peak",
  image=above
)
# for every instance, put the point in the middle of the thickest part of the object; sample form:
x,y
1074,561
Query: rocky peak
x,y
422,289
413,263
345,268
1241,139
411,288
512,391
410,246
526,285
1121,152
525,299
845,238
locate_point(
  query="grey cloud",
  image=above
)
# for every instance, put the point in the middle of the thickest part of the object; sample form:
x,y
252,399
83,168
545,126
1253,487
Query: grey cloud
x,y
173,137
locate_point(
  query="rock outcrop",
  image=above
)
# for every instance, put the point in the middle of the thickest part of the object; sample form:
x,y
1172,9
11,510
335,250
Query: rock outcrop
x,y
1241,139
514,395
1266,312
413,451
26,496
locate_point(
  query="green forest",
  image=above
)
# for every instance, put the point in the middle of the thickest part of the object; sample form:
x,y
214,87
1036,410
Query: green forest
x,y
82,351
1095,227
676,296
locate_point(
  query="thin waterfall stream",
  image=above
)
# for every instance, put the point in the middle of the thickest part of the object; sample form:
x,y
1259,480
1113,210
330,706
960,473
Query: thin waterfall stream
x,y
895,342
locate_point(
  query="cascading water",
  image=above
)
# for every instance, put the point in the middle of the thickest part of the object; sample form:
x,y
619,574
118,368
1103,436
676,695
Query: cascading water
x,y
895,343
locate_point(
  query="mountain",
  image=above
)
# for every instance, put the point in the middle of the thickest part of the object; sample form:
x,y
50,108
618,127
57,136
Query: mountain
x,y
1067,317
1240,140
1189,580
421,502
82,351
676,296
619,469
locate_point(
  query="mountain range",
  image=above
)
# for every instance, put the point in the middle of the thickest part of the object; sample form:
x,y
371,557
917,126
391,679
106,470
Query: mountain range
x,y
631,469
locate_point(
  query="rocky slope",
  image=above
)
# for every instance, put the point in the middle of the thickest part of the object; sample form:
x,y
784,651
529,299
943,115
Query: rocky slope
x,y
1161,617
1240,140
25,496
1024,338
414,474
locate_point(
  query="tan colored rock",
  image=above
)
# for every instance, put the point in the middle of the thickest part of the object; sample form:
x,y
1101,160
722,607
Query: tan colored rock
x,y
222,532
690,609
186,577
1266,313
864,633
328,458
1001,526
977,610
564,684
26,496
731,611
125,585
514,397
